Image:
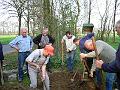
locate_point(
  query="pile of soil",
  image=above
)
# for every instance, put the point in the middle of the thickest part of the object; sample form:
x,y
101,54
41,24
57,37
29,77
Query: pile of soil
x,y
58,81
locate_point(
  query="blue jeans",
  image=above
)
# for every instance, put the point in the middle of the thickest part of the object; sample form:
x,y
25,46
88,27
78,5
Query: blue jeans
x,y
70,60
110,78
21,60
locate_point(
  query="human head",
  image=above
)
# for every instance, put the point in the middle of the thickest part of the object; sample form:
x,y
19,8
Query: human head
x,y
68,34
76,41
117,26
89,45
23,32
88,27
45,31
48,50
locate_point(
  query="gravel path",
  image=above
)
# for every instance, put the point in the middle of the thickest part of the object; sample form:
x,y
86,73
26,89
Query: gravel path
x,y
7,49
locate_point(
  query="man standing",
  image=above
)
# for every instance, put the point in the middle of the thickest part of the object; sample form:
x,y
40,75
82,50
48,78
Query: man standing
x,y
70,48
37,61
23,44
106,53
113,67
44,39
1,64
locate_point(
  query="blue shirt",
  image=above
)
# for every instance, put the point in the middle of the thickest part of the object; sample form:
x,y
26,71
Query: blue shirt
x,y
23,43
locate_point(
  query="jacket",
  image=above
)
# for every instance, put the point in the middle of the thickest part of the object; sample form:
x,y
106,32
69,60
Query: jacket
x,y
1,52
37,40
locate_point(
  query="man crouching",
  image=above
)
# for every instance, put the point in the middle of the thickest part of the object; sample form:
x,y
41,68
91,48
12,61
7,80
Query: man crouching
x,y
37,61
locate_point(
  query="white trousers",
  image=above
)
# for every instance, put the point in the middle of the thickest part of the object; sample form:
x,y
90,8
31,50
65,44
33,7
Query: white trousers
x,y
33,79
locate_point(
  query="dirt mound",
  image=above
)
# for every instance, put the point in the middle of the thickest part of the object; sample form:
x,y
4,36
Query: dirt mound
x,y
58,81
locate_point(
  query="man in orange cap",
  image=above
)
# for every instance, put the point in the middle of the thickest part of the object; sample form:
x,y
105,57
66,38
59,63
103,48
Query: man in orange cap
x,y
37,61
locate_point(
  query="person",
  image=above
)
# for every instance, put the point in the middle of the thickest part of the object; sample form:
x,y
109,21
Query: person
x,y
88,30
1,54
37,61
23,44
113,67
43,39
1,63
106,53
70,48
81,42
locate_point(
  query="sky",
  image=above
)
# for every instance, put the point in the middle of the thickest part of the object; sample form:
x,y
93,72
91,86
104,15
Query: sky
x,y
95,17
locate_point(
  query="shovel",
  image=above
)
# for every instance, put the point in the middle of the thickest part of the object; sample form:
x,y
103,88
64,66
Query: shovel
x,y
72,79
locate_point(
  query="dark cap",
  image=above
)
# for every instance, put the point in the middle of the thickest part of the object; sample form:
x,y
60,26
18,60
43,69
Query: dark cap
x,y
87,25
82,41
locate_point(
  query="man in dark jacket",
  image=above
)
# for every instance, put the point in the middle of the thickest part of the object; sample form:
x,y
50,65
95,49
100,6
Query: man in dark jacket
x,y
44,39
1,54
1,63
113,67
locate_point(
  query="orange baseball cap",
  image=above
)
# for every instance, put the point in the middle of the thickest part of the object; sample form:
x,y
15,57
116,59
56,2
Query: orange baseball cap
x,y
49,49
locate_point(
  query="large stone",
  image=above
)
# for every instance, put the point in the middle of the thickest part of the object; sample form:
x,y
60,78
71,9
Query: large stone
x,y
12,77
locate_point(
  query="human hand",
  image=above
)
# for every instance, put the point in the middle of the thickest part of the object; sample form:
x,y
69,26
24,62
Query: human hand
x,y
82,55
67,50
99,63
37,67
43,77
17,48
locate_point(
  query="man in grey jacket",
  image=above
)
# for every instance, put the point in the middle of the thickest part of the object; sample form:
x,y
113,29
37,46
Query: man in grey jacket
x,y
106,53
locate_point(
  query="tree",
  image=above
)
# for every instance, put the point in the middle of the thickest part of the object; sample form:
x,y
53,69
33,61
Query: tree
x,y
15,8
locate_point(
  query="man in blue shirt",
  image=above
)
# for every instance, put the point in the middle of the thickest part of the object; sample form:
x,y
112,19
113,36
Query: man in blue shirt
x,y
113,67
23,44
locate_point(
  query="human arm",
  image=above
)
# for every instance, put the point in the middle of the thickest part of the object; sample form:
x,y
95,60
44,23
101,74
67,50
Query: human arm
x,y
51,40
1,52
14,43
36,40
113,67
33,64
92,54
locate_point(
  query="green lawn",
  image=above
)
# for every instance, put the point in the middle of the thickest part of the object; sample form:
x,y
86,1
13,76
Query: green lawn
x,y
114,44
5,39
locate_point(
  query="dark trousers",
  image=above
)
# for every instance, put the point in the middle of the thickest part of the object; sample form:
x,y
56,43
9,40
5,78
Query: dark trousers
x,y
48,66
21,61
89,62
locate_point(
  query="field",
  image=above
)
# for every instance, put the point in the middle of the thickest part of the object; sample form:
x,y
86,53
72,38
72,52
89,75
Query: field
x,y
5,39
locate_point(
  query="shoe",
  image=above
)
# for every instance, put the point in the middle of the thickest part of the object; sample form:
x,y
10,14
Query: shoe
x,y
33,88
116,89
20,81
85,72
91,74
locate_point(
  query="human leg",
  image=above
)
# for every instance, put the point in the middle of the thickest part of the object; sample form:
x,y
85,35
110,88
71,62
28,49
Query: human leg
x,y
20,66
33,77
46,82
98,77
110,78
26,55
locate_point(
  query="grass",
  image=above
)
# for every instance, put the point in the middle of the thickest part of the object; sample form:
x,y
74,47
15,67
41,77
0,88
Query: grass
x,y
10,61
114,44
5,39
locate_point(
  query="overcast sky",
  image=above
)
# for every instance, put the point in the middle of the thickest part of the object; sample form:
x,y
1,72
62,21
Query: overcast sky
x,y
95,17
